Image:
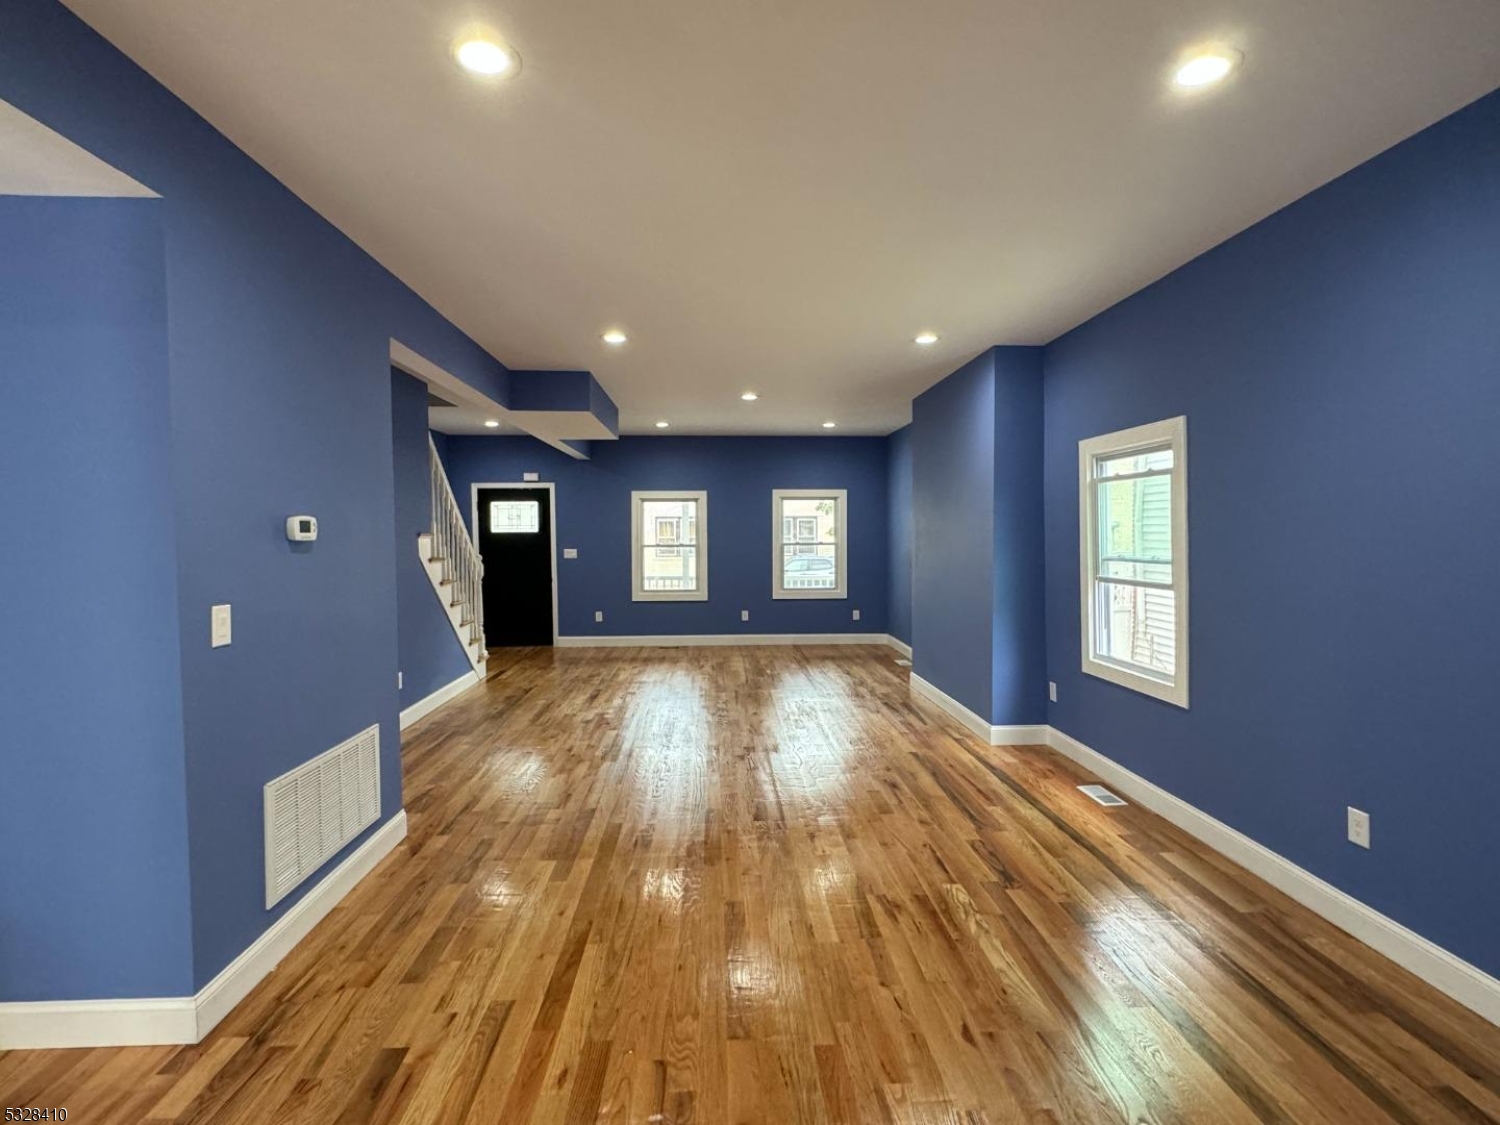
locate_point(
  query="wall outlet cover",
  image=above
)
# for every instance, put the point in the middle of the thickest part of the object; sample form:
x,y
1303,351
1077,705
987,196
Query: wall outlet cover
x,y
598,615
221,629
570,552
744,615
1052,691
1359,827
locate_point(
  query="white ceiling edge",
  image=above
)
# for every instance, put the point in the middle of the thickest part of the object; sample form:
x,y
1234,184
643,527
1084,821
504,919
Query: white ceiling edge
x,y
35,160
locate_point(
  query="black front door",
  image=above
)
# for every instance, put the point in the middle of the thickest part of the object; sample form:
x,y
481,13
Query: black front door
x,y
515,541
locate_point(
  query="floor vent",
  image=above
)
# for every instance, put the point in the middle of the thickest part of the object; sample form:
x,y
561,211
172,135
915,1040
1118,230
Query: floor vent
x,y
317,808
1102,795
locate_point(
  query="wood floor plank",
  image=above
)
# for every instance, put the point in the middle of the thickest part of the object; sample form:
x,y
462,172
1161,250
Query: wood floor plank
x,y
724,886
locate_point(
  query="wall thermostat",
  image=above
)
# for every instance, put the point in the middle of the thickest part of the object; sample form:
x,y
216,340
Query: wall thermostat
x,y
302,529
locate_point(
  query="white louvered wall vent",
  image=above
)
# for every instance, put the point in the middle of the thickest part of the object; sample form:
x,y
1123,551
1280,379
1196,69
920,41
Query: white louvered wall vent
x,y
1102,795
317,808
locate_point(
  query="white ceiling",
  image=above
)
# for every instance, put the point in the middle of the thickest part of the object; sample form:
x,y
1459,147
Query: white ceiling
x,y
778,195
36,161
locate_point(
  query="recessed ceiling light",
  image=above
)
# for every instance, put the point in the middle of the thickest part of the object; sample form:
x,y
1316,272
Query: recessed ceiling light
x,y
925,338
749,396
486,56
1205,68
829,425
490,424
663,424
614,337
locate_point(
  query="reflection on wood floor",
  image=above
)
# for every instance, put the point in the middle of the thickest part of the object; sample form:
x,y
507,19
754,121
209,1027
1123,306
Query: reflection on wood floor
x,y
766,885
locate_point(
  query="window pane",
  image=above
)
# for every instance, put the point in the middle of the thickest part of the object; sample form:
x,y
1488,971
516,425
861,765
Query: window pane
x,y
809,519
669,568
669,522
1151,459
1135,625
1135,521
809,567
509,517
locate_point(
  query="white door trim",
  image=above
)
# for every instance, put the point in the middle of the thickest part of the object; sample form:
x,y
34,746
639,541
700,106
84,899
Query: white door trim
x,y
551,488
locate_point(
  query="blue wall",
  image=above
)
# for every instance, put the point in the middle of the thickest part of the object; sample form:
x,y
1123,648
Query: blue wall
x,y
898,517
278,333
593,515
977,606
1018,623
429,653
1339,367
94,883
953,565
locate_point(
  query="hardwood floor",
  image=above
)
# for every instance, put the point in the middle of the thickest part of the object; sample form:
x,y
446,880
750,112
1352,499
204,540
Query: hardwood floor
x,y
767,885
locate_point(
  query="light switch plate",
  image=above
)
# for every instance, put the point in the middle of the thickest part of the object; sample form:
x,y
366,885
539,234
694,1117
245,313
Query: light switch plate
x,y
221,629
570,552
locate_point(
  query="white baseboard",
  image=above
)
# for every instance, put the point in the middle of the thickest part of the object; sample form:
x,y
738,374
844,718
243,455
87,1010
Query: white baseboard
x,y
899,645
187,1019
1468,984
98,1023
1032,735
431,703
687,640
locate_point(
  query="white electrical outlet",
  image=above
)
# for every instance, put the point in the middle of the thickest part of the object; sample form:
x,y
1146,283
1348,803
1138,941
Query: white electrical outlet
x,y
570,552
531,476
744,615
1359,827
400,680
856,615
1052,691
598,615
221,629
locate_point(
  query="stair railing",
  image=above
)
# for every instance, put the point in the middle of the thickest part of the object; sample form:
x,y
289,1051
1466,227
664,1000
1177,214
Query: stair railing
x,y
463,569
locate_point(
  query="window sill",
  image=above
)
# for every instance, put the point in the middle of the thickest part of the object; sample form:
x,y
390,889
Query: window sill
x,y
1173,692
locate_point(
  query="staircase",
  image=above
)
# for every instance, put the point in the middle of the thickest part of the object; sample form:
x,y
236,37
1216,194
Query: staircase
x,y
452,563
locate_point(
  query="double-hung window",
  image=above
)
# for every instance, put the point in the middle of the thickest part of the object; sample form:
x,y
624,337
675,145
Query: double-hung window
x,y
810,539
669,546
1132,505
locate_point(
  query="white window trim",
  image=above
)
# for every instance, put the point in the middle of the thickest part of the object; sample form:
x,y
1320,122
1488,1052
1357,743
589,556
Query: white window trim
x,y
841,542
636,544
1171,432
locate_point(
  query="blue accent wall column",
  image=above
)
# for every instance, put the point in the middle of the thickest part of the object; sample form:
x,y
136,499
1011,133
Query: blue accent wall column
x,y
1339,367
977,601
94,900
429,651
1018,637
953,504
898,503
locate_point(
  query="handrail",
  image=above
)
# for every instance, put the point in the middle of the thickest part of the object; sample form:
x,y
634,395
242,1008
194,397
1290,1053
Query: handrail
x,y
463,569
